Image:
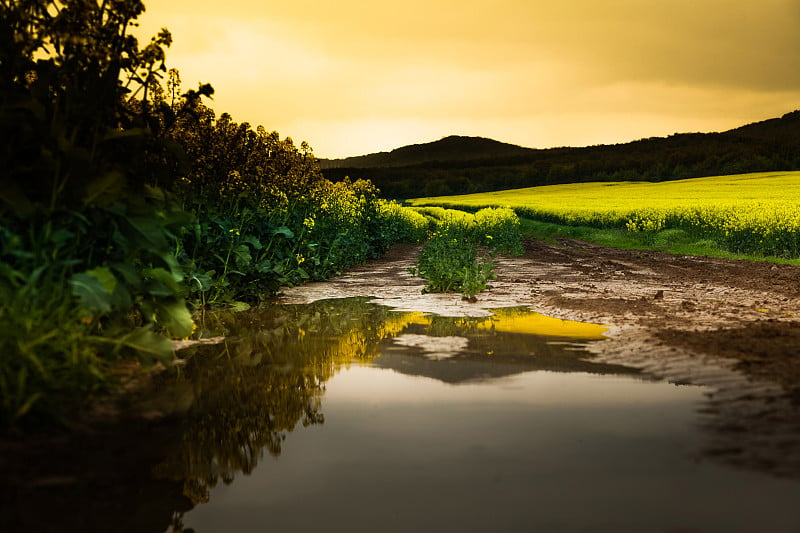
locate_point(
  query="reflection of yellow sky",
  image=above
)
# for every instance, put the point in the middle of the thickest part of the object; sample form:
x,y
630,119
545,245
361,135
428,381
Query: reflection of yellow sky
x,y
352,347
515,321
506,320
358,76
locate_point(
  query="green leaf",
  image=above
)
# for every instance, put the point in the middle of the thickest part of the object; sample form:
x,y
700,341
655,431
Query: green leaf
x,y
14,276
151,229
201,282
108,186
161,282
239,306
105,277
90,292
176,318
253,241
265,267
60,236
121,297
147,342
242,255
283,230
128,273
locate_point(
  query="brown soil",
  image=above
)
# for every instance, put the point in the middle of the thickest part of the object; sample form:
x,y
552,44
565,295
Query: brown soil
x,y
732,326
742,310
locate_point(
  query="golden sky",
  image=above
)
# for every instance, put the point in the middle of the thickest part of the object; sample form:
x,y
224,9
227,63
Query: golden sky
x,y
358,76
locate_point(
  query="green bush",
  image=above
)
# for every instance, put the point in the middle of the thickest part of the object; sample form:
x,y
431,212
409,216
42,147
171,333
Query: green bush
x,y
459,254
250,252
453,265
499,228
397,223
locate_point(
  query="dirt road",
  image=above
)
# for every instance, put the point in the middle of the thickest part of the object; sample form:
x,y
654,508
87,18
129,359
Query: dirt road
x,y
733,326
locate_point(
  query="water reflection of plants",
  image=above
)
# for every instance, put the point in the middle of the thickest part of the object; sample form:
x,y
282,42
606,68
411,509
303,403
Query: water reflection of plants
x,y
241,398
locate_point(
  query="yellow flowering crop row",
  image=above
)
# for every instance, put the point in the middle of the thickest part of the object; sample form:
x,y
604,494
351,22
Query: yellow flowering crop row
x,y
750,213
498,228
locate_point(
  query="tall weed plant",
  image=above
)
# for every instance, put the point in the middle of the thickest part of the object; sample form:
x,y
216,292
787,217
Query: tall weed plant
x,y
459,255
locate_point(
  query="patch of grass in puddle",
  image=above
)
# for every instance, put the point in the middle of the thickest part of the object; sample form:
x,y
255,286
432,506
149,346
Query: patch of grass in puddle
x,y
459,254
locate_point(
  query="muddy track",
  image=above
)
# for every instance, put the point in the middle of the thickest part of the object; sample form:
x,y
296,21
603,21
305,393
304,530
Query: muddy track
x,y
732,326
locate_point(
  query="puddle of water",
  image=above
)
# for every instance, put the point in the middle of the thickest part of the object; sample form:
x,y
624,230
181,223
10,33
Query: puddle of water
x,y
539,451
397,421
512,341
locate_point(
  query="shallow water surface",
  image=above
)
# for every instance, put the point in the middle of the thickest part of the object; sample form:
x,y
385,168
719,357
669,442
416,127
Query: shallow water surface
x,y
501,424
347,416
539,451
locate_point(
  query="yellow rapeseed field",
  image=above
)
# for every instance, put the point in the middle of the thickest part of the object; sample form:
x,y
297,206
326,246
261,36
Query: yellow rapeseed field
x,y
750,213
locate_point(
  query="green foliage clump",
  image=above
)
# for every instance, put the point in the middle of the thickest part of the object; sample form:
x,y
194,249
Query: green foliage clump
x,y
434,213
264,217
87,273
453,265
249,251
459,255
500,229
399,223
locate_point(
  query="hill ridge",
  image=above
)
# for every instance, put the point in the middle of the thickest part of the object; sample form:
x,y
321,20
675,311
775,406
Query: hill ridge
x,y
449,148
460,164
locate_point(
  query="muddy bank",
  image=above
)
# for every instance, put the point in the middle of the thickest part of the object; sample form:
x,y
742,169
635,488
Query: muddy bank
x,y
732,326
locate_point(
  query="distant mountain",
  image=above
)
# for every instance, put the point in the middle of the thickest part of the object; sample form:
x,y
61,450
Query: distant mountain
x,y
458,165
452,148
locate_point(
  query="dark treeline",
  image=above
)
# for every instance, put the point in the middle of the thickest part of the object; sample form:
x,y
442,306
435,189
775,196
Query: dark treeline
x,y
424,170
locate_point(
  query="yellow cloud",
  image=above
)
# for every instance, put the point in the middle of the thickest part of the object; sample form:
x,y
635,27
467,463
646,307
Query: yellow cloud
x,y
353,75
